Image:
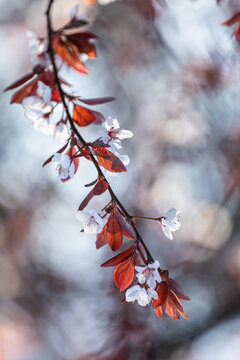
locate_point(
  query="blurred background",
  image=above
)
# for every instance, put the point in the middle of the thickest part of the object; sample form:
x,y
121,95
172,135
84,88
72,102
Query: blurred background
x,y
175,73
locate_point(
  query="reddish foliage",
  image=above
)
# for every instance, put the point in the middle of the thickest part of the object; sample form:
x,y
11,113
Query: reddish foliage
x,y
169,293
83,42
30,89
109,161
97,101
124,274
125,228
114,261
98,189
114,232
232,20
237,31
84,117
74,23
102,238
20,82
55,94
69,54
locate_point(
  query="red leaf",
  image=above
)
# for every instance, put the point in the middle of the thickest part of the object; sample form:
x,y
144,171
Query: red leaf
x,y
98,143
82,43
55,94
30,89
237,32
86,201
97,101
173,286
114,233
19,82
162,295
69,54
84,117
136,260
125,228
98,189
101,238
124,274
118,258
109,161
25,91
232,20
173,307
76,23
159,312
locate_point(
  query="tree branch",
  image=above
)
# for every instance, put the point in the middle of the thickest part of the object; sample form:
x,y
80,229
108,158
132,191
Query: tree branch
x,y
78,135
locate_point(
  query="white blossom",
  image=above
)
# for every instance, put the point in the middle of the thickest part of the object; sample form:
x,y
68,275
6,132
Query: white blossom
x,y
149,274
65,166
112,135
141,294
170,222
38,50
38,112
45,92
61,131
93,223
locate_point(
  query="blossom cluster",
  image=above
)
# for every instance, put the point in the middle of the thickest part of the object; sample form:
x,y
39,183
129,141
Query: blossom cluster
x,y
54,110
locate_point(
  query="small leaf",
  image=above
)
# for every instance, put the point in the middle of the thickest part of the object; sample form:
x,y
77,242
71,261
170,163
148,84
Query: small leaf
x,y
125,228
162,292
159,312
124,274
30,89
84,117
100,187
173,307
19,82
109,161
119,258
25,91
114,233
176,288
76,23
84,43
101,238
86,201
98,143
97,101
70,56
232,20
